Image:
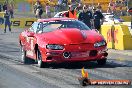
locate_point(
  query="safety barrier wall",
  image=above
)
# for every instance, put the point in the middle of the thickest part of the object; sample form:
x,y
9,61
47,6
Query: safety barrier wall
x,y
22,22
117,36
19,22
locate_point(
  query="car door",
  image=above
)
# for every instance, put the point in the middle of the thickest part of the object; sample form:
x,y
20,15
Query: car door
x,y
30,40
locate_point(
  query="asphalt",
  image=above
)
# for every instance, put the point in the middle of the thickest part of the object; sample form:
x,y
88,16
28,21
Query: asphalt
x,y
12,78
122,52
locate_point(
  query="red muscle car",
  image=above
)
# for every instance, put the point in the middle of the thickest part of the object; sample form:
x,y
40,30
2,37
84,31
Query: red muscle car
x,y
57,40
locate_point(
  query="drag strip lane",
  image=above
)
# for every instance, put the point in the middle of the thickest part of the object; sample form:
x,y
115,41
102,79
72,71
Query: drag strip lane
x,y
36,72
13,78
68,77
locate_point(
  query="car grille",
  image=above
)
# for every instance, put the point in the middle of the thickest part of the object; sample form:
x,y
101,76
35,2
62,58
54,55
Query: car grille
x,y
93,53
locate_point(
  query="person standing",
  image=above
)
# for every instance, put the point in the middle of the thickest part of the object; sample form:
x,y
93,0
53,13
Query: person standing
x,y
72,13
48,13
90,8
86,16
79,9
99,7
36,5
4,7
64,5
0,8
7,21
109,10
10,9
60,5
97,19
38,9
56,7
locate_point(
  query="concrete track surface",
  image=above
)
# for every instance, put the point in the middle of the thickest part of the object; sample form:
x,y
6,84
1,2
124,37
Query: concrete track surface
x,y
14,74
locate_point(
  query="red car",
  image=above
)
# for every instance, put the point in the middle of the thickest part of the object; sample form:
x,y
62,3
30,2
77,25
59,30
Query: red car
x,y
57,40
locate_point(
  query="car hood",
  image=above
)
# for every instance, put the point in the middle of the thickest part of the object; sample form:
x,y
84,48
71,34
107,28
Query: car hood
x,y
70,36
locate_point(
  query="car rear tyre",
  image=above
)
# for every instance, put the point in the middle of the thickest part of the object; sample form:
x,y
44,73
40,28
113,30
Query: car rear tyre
x,y
102,61
24,58
39,60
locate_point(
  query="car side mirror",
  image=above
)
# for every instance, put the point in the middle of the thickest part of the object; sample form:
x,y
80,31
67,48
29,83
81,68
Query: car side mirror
x,y
31,34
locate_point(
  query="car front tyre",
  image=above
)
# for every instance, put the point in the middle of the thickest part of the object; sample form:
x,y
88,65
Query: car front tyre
x,y
102,61
39,60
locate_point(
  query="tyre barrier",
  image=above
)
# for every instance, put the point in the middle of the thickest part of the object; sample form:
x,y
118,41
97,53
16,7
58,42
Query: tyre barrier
x,y
117,36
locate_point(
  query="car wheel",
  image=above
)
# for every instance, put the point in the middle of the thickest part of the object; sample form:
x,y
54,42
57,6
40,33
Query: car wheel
x,y
39,59
24,58
102,61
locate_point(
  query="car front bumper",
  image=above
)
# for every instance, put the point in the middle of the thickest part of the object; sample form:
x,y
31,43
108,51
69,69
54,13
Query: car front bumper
x,y
59,56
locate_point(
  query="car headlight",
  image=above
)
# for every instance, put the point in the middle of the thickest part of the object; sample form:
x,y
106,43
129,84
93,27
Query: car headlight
x,y
54,47
99,44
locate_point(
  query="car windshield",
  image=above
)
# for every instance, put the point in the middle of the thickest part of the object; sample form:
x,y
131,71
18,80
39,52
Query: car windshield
x,y
56,25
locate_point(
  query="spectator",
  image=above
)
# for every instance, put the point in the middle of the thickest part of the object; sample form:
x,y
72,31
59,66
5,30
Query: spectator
x,y
38,9
60,2
121,12
40,12
111,3
64,4
125,2
55,9
73,2
4,7
86,16
99,7
90,8
36,5
72,13
109,10
48,13
97,16
11,10
79,1
0,7
113,9
79,9
37,13
7,21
